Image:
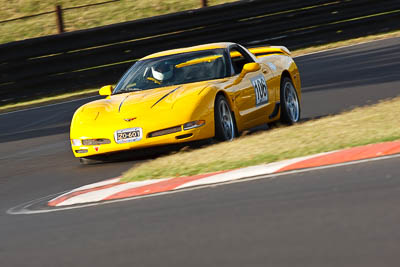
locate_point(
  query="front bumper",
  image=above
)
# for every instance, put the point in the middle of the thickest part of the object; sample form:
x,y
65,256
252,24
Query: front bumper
x,y
204,132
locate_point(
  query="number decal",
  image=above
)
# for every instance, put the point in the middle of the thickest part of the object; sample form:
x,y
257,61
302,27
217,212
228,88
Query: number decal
x,y
261,90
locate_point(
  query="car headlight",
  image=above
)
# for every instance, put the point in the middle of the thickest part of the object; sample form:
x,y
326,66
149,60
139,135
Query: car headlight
x,y
76,142
193,124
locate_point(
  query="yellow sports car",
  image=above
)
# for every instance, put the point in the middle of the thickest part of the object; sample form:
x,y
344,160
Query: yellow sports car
x,y
188,94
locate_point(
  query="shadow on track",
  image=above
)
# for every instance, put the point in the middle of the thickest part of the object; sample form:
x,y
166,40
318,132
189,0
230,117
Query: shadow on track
x,y
145,154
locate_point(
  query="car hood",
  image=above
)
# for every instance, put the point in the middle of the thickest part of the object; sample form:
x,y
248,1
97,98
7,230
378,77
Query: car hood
x,y
134,104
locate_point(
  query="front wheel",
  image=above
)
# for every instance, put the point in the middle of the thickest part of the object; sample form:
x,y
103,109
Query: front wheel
x,y
290,106
224,122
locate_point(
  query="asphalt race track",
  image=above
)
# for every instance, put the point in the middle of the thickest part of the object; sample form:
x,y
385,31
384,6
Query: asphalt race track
x,y
343,216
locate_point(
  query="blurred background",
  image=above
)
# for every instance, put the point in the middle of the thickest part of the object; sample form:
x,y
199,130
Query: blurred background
x,y
21,19
54,47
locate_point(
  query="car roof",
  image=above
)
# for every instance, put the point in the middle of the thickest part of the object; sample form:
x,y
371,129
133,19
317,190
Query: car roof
x,y
189,49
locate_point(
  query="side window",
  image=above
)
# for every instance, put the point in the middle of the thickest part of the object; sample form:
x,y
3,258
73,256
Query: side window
x,y
238,60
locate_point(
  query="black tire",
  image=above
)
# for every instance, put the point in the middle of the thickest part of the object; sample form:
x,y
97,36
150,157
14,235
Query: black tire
x,y
225,126
290,104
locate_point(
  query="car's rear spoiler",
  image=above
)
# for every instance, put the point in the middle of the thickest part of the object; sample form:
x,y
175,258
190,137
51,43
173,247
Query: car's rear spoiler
x,y
269,50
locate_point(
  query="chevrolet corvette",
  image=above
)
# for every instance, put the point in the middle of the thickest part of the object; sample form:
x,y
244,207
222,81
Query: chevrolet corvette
x,y
208,91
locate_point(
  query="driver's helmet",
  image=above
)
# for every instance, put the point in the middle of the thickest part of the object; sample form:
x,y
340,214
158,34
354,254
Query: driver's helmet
x,y
162,71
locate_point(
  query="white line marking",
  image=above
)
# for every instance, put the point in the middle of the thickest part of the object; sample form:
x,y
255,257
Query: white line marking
x,y
247,172
99,195
89,186
23,208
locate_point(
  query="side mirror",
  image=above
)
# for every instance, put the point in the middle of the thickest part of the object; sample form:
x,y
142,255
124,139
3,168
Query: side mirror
x,y
106,90
251,67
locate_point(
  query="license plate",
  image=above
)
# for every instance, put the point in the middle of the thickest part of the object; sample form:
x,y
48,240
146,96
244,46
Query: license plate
x,y
128,135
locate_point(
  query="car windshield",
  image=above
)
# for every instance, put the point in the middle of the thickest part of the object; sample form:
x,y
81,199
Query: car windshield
x,y
173,70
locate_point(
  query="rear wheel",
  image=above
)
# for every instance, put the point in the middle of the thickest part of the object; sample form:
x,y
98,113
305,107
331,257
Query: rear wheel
x,y
225,128
290,105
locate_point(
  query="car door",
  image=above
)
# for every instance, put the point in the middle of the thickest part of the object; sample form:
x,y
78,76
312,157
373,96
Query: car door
x,y
252,92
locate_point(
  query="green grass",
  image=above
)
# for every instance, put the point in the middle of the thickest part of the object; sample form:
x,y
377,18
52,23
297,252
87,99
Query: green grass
x,y
361,126
83,18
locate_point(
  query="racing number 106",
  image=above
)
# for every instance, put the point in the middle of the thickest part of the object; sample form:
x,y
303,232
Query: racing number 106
x,y
261,90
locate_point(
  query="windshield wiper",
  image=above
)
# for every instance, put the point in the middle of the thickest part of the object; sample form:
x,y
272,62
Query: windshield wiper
x,y
128,90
